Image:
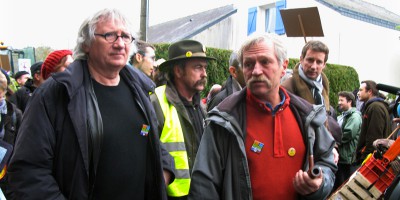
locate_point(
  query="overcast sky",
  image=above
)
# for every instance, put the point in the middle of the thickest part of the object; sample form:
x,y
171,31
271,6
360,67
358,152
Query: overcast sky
x,y
55,23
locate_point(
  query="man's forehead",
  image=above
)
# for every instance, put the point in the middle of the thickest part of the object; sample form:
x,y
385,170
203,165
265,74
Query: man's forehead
x,y
263,49
150,50
310,51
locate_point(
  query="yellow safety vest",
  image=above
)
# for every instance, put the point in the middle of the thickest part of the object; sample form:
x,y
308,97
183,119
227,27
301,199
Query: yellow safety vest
x,y
173,140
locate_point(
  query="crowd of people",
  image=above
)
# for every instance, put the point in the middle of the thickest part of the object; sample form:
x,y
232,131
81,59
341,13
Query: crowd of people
x,y
110,121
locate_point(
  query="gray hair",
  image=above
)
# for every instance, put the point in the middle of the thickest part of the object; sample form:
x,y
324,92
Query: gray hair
x,y
233,60
88,28
280,49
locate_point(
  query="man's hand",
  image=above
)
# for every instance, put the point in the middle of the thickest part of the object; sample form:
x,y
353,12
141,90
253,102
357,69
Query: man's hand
x,y
335,156
304,184
167,177
384,142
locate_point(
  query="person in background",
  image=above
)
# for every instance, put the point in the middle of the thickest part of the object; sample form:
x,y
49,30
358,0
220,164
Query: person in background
x,y
288,74
21,97
145,58
159,77
213,91
310,83
260,143
350,122
143,61
56,61
21,77
359,103
11,88
376,122
234,83
90,131
10,120
179,109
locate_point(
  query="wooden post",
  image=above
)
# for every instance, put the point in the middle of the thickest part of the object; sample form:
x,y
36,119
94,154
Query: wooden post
x,y
302,28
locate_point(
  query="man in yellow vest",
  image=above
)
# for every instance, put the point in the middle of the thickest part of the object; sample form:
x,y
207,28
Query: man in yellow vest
x,y
179,109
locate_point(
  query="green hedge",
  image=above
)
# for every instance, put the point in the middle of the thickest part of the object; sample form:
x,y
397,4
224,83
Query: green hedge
x,y
341,78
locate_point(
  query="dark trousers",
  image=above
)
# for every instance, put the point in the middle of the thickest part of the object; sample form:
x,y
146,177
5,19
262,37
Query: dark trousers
x,y
344,172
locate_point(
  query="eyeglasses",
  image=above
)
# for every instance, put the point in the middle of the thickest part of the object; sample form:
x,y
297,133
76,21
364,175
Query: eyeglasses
x,y
112,37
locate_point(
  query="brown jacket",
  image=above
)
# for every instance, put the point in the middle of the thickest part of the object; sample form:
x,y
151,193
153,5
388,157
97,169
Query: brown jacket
x,y
299,87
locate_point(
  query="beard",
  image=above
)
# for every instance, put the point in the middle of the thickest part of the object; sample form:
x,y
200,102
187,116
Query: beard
x,y
340,108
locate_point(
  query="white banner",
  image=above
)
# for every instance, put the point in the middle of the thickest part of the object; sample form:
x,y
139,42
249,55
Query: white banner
x,y
24,64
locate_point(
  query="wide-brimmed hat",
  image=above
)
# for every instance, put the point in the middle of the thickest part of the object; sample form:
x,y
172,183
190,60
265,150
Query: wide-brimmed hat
x,y
184,49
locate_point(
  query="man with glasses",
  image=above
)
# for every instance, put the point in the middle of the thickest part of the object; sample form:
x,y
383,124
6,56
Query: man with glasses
x,y
90,131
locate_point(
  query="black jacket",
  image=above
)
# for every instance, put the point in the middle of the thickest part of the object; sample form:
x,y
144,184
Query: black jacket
x,y
52,152
11,122
21,96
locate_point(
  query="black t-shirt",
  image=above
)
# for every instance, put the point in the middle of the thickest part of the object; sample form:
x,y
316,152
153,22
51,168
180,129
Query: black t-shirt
x,y
122,164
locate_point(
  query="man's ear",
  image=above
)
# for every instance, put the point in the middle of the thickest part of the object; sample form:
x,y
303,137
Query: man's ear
x,y
138,57
178,71
232,71
284,66
85,48
37,76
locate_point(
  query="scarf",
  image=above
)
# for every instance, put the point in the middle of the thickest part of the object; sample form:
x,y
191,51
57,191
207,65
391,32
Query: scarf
x,y
316,85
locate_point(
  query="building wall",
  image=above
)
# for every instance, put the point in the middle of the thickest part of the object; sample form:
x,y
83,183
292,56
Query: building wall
x,y
220,35
372,50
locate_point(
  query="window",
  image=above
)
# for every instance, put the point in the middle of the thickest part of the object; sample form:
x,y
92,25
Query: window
x,y
252,21
273,19
279,28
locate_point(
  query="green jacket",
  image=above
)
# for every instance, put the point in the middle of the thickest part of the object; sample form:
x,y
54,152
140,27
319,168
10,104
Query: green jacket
x,y
351,128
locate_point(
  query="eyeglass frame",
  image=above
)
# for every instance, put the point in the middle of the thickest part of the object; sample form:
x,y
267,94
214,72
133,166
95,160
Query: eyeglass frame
x,y
114,34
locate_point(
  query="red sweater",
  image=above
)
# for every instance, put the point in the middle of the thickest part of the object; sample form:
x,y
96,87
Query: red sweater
x,y
273,166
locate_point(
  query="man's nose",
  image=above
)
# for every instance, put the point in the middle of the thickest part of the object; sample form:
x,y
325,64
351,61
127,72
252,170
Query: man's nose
x,y
257,70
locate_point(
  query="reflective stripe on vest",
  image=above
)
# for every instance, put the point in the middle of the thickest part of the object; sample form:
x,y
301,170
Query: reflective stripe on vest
x,y
173,140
